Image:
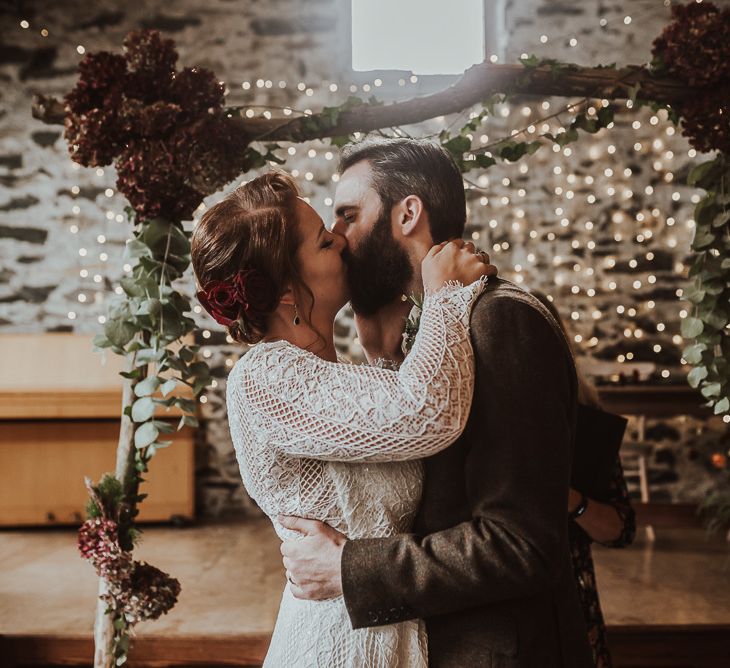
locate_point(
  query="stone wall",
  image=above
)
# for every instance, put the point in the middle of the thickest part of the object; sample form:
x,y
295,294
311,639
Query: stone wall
x,y
603,226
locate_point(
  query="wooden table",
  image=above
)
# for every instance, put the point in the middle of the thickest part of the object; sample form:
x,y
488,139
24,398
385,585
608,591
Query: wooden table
x,y
60,408
653,400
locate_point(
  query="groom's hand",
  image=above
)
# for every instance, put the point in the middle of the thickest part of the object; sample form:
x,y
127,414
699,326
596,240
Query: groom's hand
x,y
313,563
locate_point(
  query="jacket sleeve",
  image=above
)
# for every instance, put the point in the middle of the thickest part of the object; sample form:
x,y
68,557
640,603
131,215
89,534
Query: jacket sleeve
x,y
516,476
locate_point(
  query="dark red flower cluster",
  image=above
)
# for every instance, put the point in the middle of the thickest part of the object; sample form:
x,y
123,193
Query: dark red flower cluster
x,y
100,76
151,64
148,594
695,47
92,139
135,588
148,177
212,149
248,292
166,130
706,120
137,119
196,90
98,542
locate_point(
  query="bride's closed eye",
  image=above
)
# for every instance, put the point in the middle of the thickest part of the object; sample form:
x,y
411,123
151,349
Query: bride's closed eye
x,y
327,243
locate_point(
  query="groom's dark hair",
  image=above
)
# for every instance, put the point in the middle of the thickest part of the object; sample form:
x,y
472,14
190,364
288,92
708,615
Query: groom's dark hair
x,y
402,167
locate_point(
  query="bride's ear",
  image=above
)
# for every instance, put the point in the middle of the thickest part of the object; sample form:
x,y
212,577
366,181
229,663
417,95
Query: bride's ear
x,y
287,297
410,214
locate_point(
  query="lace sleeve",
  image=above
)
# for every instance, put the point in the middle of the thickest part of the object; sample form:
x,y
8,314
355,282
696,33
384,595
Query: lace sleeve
x,y
346,412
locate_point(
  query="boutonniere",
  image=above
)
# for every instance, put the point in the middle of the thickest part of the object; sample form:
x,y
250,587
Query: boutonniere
x,y
414,320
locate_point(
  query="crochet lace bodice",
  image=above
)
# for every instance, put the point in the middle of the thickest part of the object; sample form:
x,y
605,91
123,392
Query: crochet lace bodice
x,y
342,443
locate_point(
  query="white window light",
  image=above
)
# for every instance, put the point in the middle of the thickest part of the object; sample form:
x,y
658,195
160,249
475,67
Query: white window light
x,y
412,35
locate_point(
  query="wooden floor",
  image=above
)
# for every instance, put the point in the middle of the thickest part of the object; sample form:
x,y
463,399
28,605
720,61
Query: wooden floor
x,y
675,590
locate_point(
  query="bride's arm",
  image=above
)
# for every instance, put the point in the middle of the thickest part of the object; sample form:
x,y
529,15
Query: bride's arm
x,y
344,412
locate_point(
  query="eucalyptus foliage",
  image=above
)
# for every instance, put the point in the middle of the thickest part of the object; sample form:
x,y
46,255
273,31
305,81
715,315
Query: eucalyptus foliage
x,y
709,292
143,321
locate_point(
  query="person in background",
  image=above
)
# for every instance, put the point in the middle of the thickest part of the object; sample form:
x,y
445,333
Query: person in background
x,y
611,524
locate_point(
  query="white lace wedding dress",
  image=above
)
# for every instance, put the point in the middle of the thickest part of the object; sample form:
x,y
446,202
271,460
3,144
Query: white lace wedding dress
x,y
342,443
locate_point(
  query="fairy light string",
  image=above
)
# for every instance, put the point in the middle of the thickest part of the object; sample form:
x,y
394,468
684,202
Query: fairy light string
x,y
566,183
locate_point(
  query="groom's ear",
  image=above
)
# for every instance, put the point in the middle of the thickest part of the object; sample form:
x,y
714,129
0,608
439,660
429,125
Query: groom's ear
x,y
411,212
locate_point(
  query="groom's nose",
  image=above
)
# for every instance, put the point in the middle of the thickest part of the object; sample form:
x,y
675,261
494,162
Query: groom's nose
x,y
341,238
339,228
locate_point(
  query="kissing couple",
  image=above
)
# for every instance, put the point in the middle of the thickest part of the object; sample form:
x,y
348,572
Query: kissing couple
x,y
420,498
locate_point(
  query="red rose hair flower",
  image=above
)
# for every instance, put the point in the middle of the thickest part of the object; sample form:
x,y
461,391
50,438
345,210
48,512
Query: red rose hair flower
x,y
248,291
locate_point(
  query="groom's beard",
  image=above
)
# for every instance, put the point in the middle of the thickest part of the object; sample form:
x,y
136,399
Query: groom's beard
x,y
379,271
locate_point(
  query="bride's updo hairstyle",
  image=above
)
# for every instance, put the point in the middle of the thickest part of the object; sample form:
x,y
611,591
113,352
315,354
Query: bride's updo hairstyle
x,y
243,253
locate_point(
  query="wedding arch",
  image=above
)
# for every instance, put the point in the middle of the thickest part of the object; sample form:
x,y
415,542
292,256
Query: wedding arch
x,y
173,142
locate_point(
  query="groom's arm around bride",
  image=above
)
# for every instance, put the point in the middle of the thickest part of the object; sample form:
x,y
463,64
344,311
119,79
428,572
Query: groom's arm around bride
x,y
488,566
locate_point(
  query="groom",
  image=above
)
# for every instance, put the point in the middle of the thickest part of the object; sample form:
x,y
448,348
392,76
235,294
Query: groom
x,y
487,565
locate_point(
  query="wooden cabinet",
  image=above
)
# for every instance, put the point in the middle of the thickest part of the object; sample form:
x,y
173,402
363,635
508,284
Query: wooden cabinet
x,y
59,422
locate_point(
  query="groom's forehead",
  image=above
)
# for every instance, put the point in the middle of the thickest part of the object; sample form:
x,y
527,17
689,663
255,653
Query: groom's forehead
x,y
353,186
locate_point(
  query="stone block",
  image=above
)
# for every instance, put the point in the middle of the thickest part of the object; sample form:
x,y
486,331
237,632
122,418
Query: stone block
x,y
33,235
275,26
45,138
23,202
11,161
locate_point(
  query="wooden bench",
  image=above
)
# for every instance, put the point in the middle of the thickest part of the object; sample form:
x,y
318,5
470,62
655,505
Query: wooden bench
x,y
60,407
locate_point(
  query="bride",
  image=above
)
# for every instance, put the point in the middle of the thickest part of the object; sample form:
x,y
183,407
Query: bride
x,y
314,435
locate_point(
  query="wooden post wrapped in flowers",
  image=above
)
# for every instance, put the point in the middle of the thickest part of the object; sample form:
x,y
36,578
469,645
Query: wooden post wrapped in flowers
x,y
173,143
168,137
130,591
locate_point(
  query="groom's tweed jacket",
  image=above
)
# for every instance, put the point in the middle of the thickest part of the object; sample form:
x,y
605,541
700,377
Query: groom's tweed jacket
x,y
488,566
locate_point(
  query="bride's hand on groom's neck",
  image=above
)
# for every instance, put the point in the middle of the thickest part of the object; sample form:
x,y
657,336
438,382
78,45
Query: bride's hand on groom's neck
x,y
381,334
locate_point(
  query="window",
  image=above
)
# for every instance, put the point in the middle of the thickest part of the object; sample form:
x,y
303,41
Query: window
x,y
419,36
435,40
